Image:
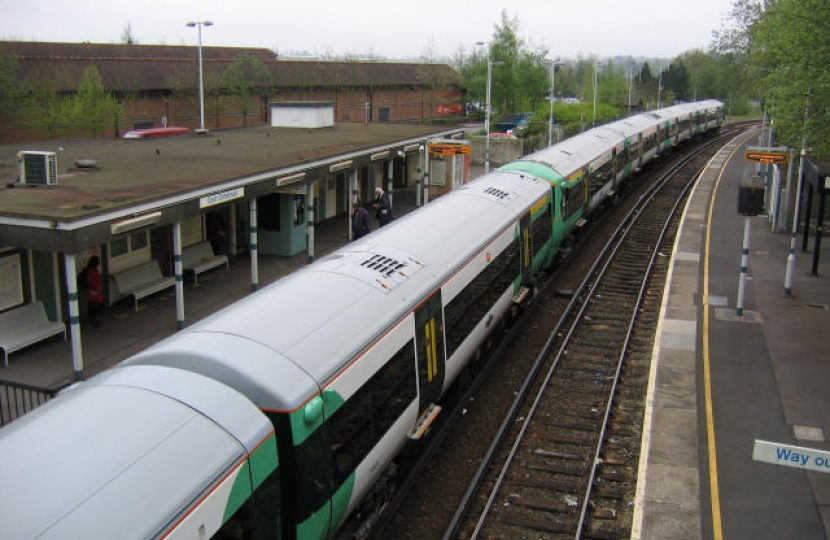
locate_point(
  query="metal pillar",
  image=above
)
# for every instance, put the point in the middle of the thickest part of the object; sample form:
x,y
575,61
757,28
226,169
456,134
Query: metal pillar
x,y
74,315
177,268
744,267
253,247
310,219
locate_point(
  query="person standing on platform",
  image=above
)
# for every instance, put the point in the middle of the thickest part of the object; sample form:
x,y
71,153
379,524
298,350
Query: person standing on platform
x,y
94,291
383,207
360,221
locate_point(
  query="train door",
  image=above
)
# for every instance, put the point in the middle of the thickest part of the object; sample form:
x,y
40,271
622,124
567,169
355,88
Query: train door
x,y
527,246
429,327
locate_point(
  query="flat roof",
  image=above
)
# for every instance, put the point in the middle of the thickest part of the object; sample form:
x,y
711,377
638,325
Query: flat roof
x,y
136,175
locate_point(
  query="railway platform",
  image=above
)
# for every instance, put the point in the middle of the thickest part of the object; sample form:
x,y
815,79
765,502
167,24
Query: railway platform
x,y
124,331
722,381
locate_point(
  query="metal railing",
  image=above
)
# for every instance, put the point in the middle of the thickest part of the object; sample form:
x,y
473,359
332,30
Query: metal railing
x,y
16,399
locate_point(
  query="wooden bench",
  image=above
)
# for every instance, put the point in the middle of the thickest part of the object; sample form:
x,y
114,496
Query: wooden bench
x,y
24,326
142,281
200,258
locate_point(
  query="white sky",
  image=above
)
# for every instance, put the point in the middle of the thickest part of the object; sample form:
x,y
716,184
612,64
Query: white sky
x,y
393,29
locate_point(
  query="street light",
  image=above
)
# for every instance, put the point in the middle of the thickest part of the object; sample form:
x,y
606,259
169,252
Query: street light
x,y
552,63
597,65
199,25
487,107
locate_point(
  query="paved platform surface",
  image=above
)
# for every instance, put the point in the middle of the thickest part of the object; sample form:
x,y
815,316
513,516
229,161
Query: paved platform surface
x,y
719,381
722,381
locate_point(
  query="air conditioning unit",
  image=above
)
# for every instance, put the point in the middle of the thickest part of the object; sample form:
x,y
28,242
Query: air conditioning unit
x,y
38,168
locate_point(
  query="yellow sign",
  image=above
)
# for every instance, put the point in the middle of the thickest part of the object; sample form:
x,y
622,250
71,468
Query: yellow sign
x,y
446,149
774,156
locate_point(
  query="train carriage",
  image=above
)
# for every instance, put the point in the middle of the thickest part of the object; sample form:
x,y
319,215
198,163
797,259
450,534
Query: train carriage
x,y
139,453
273,417
345,355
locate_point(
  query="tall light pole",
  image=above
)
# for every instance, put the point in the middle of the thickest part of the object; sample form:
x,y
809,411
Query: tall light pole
x,y
487,106
199,25
597,65
552,63
659,86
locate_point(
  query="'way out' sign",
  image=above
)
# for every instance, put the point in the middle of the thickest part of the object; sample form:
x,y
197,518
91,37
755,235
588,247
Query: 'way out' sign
x,y
791,456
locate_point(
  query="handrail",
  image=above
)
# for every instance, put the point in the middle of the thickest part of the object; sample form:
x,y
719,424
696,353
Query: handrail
x,y
17,399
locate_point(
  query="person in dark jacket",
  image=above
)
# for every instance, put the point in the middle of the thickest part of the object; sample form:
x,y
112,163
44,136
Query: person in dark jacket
x,y
383,207
94,291
360,221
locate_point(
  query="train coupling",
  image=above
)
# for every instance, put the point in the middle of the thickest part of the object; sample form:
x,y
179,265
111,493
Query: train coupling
x,y
424,421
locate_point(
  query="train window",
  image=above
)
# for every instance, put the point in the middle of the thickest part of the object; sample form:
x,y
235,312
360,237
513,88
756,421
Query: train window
x,y
258,517
572,200
366,417
597,179
649,142
472,304
542,229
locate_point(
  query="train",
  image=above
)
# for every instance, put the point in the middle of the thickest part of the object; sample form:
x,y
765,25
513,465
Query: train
x,y
275,416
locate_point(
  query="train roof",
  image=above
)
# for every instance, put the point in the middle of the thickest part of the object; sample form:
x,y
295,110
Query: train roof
x,y
164,433
283,343
571,155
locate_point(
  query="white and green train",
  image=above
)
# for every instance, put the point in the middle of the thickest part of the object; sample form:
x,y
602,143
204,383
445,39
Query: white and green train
x,y
272,418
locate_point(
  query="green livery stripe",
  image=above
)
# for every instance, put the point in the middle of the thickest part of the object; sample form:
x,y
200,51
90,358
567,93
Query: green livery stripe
x,y
303,424
316,526
240,492
340,501
534,168
264,461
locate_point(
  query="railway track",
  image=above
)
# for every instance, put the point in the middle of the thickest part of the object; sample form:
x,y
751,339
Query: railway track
x,y
564,464
440,480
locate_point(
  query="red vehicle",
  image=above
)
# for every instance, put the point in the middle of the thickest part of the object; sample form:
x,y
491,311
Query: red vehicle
x,y
156,132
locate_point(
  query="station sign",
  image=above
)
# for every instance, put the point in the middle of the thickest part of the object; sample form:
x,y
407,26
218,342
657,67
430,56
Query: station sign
x,y
221,197
799,457
449,148
774,155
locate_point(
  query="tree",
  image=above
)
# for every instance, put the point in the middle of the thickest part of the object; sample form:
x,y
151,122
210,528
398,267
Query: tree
x,y
519,76
789,51
9,86
93,106
243,77
127,36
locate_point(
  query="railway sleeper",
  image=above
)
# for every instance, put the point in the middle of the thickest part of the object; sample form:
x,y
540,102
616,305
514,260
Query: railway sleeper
x,y
552,526
572,469
567,485
540,504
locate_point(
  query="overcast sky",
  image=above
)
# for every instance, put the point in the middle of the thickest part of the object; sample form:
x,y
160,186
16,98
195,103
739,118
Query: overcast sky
x,y
393,29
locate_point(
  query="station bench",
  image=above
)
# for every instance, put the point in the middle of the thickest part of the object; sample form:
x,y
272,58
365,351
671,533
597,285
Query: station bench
x,y
142,281
200,258
24,326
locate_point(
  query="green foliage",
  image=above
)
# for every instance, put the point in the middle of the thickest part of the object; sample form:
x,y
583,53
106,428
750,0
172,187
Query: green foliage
x,y
93,107
9,87
242,78
789,51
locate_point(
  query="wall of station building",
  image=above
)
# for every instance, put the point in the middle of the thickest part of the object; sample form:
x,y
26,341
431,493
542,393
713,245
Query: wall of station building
x,y
390,105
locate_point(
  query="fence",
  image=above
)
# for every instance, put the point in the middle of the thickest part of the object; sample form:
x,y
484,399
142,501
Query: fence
x,y
17,399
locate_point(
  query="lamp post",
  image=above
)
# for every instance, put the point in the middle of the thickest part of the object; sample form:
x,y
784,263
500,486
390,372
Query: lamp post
x,y
552,64
199,25
487,107
597,65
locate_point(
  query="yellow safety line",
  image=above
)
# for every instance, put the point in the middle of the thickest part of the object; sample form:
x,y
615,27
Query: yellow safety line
x,y
717,533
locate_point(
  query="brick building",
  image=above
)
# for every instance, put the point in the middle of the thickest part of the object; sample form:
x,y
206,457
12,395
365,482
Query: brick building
x,y
158,84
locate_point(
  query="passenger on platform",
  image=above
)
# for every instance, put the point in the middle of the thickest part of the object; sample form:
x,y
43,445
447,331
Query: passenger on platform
x,y
94,291
383,207
360,221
